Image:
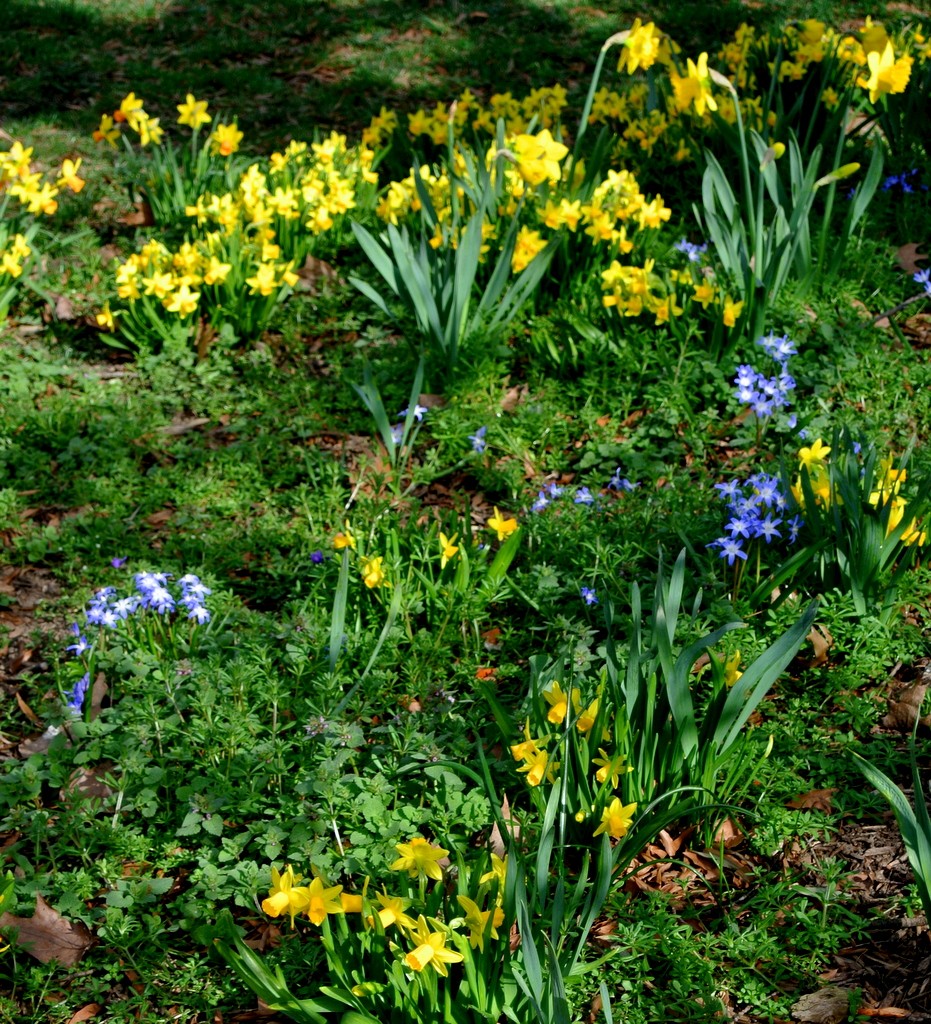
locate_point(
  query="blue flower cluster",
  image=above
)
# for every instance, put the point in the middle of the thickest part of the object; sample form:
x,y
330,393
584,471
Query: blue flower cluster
x,y
397,431
75,700
907,181
478,440
923,277
152,594
581,495
692,251
766,395
756,510
106,610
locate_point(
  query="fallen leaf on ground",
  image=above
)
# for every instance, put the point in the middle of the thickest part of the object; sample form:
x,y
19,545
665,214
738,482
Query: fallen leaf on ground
x,y
514,396
813,800
48,936
85,1013
904,711
821,640
27,710
314,273
141,217
907,257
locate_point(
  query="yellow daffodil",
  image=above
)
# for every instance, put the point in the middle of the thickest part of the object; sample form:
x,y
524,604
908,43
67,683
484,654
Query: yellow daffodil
x,y
419,858
286,896
149,130
130,110
611,767
616,819
695,88
264,281
183,301
558,702
585,716
226,138
537,157
393,912
69,175
731,312
431,949
527,748
373,575
345,539
814,456
193,112
527,246
886,73
498,873
448,549
732,669
105,318
477,921
538,767
322,901
502,527
640,48
107,131
351,902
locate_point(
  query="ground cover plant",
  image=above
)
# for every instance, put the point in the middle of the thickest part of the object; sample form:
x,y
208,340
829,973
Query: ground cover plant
x,y
464,537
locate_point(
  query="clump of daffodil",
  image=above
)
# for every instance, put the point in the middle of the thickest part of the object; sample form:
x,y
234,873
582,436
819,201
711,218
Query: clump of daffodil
x,y
373,573
480,922
420,859
501,525
887,75
448,549
431,948
616,819
286,895
535,762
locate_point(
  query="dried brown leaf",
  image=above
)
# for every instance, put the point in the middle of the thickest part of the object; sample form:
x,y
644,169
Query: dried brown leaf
x,y
907,257
904,711
514,396
27,710
48,936
813,800
85,1013
729,834
821,641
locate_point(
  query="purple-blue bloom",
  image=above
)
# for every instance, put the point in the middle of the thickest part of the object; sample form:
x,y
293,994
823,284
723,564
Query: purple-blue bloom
x,y
316,557
583,496
589,596
478,440
75,701
117,562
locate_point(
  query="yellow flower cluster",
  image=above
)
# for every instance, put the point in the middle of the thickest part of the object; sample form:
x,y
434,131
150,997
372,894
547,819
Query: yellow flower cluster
x,y
303,189
646,118
536,185
13,256
813,460
426,937
36,192
467,115
223,141
371,568
538,766
174,277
